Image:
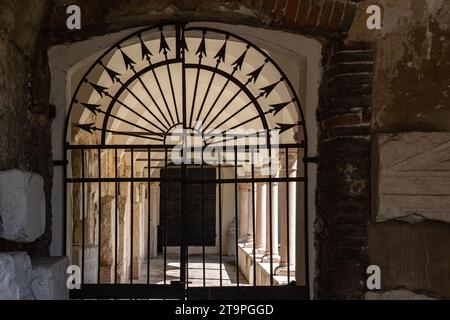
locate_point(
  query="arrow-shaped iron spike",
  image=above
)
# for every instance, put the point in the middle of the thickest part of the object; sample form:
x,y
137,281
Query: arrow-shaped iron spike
x,y
183,44
201,51
112,74
145,51
88,127
100,90
163,44
268,89
278,107
91,107
239,61
220,56
286,126
129,63
255,74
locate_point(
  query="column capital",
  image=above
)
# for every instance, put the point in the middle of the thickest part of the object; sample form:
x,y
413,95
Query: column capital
x,y
244,186
291,161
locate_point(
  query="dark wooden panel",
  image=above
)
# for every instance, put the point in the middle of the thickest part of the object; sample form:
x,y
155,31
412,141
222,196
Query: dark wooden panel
x,y
201,225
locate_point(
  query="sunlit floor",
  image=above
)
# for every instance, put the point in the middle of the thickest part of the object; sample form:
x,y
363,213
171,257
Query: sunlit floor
x,y
195,271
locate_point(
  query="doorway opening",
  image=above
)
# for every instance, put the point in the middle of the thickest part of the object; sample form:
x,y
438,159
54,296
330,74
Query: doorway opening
x,y
186,176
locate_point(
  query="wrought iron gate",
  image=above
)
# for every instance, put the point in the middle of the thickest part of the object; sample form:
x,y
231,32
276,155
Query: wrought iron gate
x,y
164,131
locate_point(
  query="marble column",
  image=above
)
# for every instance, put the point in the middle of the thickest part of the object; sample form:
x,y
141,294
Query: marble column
x,y
288,209
107,248
243,212
137,229
250,218
271,223
261,201
154,219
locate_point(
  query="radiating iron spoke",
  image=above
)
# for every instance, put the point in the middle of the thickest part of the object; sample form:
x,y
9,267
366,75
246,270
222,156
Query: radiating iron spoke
x,y
162,93
226,105
136,113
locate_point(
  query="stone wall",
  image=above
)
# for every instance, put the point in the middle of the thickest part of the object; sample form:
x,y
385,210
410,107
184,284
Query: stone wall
x,y
25,114
411,94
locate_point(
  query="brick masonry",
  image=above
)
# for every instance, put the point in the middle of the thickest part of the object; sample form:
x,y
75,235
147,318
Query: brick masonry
x,y
343,189
323,18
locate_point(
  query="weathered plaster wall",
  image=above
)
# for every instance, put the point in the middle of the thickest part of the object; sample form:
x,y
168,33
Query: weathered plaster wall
x,y
411,92
412,72
24,111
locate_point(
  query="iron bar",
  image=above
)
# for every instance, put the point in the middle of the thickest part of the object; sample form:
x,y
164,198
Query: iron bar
x,y
254,222
149,215
131,215
236,218
116,223
191,181
220,224
83,228
99,213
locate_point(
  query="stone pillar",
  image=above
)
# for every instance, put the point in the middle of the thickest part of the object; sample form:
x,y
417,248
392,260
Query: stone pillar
x,y
144,220
243,212
272,218
249,234
107,229
137,231
123,226
261,201
288,209
154,217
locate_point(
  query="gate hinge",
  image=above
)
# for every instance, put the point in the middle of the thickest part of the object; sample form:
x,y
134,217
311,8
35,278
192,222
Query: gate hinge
x,y
311,159
60,163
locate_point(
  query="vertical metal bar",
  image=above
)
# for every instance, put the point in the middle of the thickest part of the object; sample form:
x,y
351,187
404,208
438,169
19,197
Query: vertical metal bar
x,y
236,218
253,220
116,224
184,243
220,219
203,224
287,213
270,212
165,216
149,211
83,228
306,228
132,214
99,211
66,232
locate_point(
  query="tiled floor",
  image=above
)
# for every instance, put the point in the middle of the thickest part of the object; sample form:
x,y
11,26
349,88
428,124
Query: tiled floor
x,y
195,271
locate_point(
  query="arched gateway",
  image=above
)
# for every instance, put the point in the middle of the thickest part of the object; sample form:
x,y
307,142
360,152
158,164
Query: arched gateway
x,y
186,174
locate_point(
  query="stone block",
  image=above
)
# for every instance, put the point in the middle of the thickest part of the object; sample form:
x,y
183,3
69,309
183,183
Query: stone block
x,y
411,176
22,206
49,278
15,276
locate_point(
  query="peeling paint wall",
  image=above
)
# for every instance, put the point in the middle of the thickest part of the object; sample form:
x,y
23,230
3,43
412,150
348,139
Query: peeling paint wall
x,y
412,73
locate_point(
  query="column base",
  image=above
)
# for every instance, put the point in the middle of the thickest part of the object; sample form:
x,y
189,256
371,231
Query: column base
x,y
136,268
266,258
282,270
248,244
